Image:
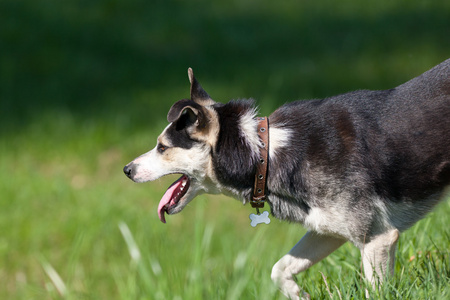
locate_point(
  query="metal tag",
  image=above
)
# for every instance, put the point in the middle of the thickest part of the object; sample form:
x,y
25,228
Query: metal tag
x,y
259,218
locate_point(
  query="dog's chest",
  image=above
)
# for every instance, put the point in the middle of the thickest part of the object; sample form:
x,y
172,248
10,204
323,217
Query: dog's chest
x,y
329,220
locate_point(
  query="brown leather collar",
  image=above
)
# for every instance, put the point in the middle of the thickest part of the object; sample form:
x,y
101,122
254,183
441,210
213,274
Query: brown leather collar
x,y
259,190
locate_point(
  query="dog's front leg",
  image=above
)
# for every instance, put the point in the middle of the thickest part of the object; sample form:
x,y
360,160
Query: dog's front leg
x,y
309,250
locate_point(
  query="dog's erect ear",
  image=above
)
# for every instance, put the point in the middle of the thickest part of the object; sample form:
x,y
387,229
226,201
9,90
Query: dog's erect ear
x,y
198,94
187,111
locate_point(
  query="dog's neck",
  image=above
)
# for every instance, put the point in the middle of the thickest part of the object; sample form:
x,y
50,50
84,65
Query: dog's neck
x,y
237,151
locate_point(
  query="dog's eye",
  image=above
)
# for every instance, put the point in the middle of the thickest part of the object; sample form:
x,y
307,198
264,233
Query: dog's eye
x,y
161,148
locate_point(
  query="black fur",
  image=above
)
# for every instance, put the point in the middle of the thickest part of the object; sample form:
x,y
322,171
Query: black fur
x,y
234,162
177,132
179,137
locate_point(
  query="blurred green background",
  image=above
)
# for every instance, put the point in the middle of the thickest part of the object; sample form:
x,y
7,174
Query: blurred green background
x,y
85,87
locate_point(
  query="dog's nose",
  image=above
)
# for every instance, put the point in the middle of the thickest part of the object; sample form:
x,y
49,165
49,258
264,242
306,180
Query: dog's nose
x,y
128,170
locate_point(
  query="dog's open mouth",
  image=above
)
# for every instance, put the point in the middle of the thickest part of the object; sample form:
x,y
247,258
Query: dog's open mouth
x,y
172,196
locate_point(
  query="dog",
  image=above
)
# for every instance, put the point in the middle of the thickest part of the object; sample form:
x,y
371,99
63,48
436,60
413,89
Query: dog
x,y
360,167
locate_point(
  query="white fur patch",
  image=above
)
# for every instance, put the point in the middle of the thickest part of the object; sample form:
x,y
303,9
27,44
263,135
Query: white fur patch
x,y
278,139
249,126
325,221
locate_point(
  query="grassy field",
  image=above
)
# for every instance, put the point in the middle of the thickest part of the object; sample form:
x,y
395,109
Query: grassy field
x,y
85,87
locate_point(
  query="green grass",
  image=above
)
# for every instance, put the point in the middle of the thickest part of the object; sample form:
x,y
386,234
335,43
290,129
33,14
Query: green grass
x,y
85,87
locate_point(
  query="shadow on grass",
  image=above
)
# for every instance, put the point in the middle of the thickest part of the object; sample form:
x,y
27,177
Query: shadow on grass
x,y
95,58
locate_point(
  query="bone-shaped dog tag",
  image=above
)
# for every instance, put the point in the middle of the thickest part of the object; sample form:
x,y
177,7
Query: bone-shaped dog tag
x,y
259,218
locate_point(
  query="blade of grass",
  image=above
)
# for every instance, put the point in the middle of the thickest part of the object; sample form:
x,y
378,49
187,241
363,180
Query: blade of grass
x,y
56,280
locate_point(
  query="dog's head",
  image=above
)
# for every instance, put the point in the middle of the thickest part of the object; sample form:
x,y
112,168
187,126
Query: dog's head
x,y
184,147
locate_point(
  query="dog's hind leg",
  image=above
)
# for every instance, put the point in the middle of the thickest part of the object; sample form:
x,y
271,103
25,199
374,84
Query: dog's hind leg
x,y
378,256
309,250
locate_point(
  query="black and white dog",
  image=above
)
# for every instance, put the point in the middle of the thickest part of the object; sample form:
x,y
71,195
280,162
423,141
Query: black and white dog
x,y
360,167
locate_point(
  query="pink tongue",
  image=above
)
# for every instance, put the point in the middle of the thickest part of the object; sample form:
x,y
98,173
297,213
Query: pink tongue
x,y
168,195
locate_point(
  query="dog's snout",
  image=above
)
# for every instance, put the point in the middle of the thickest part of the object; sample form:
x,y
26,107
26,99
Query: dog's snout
x,y
129,170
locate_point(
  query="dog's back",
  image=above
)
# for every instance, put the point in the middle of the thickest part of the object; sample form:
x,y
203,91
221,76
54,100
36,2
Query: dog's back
x,y
408,134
